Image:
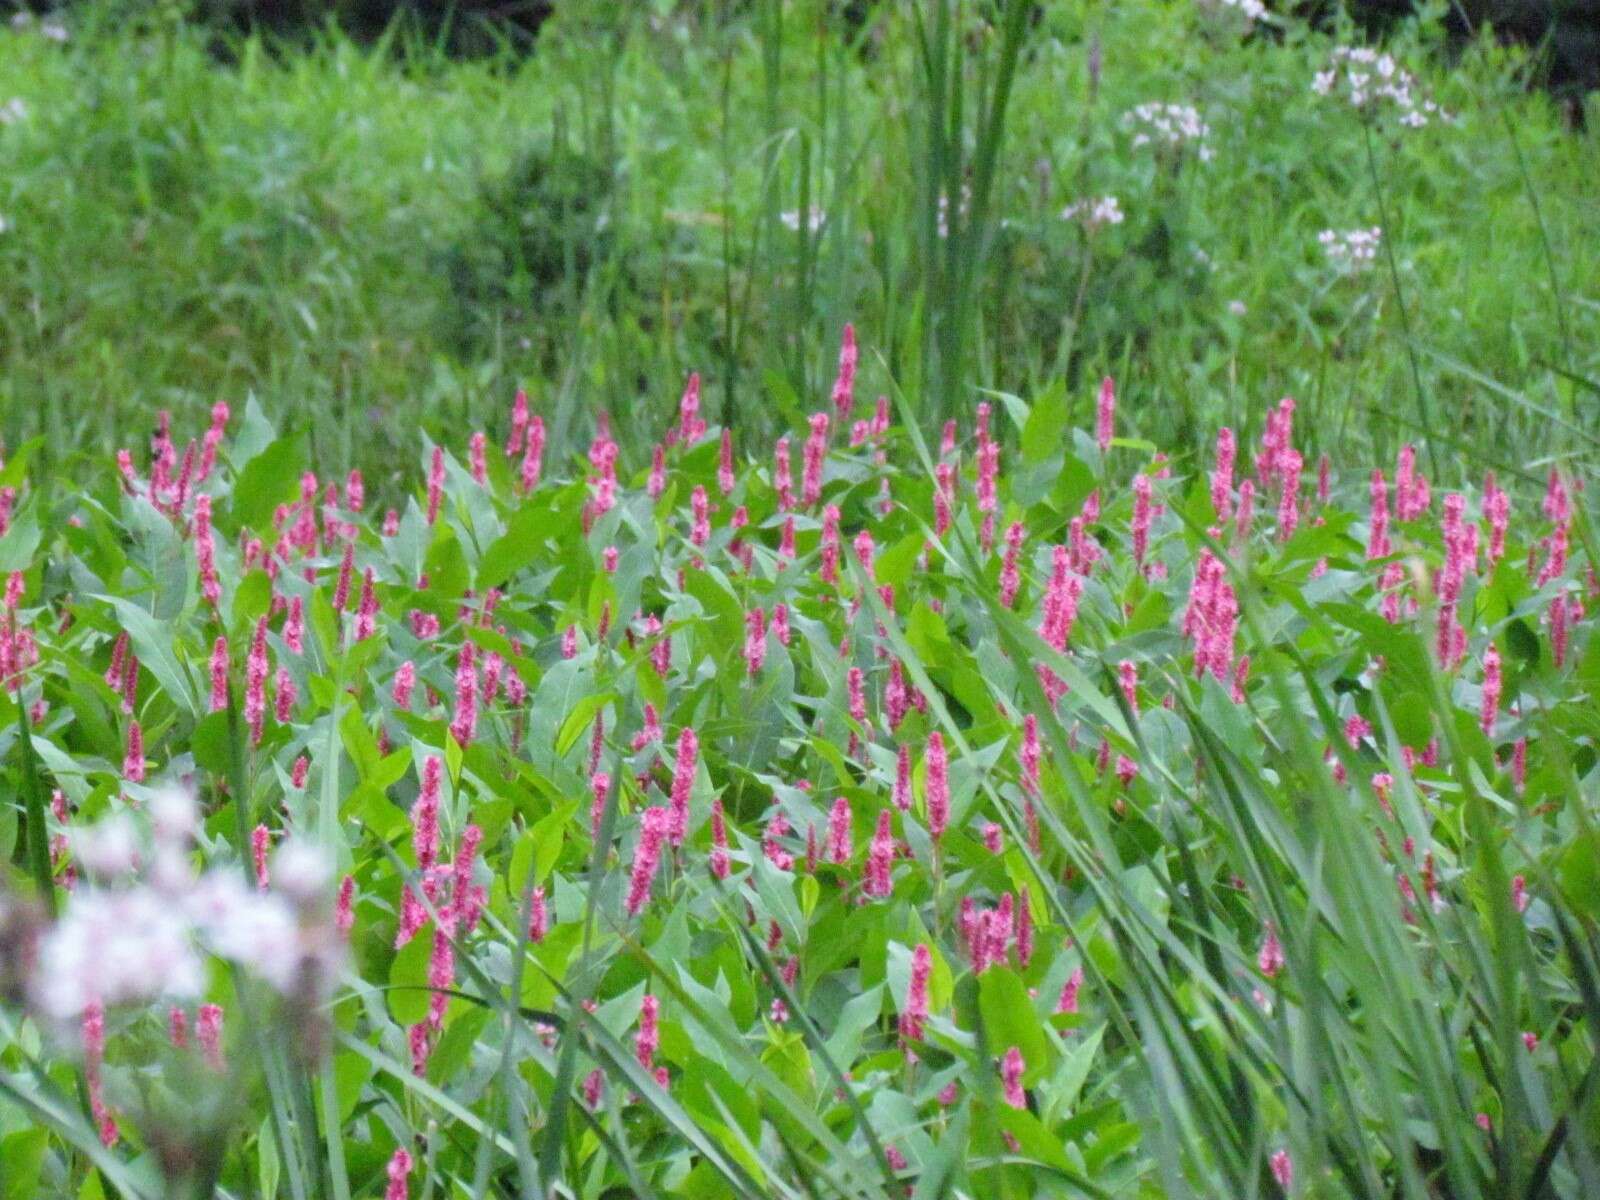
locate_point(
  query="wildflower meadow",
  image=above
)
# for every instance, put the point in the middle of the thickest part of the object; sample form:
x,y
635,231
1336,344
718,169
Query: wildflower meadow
x,y
876,795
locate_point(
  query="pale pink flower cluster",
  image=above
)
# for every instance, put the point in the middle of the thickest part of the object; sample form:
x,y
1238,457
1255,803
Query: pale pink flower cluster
x,y
1094,212
1374,84
141,928
1173,127
1251,10
1353,249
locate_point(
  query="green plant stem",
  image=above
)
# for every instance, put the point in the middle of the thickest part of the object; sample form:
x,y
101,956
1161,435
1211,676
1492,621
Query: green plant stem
x,y
33,799
1423,415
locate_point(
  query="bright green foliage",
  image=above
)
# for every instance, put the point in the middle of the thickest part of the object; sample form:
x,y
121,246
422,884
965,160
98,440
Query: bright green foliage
x,y
1261,847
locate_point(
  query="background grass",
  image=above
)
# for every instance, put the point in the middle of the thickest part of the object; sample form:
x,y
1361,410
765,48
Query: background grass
x,y
369,239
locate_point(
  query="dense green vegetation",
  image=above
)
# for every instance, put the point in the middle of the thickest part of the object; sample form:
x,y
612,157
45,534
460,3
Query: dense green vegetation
x,y
797,600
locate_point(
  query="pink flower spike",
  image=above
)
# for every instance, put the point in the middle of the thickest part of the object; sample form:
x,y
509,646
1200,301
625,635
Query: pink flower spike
x,y
648,1040
915,1013
880,858
397,1170
1282,1169
782,478
1270,958
208,1032
1011,1069
840,840
683,783
755,640
937,785
464,726
219,674
1489,709
844,384
294,626
725,476
425,815
538,917
1068,1001
1141,517
284,695
690,427
405,679
260,841
1010,576
1105,414
344,916
646,854
533,458
476,448
255,683
133,759
94,1051
1222,473
1519,893
719,840
519,423
599,791
435,485
815,448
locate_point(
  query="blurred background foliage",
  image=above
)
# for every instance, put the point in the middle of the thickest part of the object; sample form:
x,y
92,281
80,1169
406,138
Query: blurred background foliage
x,y
386,215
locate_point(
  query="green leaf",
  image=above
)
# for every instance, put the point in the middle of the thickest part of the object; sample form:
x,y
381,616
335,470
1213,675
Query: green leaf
x,y
1010,1020
153,641
408,979
21,1159
580,719
21,541
517,548
1044,434
269,479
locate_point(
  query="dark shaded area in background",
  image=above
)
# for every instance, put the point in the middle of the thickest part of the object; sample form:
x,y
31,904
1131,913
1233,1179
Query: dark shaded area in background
x,y
464,28
1566,32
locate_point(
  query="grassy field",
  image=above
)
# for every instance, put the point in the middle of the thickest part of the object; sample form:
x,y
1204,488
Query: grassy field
x,y
369,239
1086,688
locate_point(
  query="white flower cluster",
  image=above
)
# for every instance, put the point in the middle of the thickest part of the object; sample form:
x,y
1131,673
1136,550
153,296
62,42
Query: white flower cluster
x,y
141,931
961,209
1173,126
1374,83
1353,250
1094,212
1251,10
55,31
813,219
13,111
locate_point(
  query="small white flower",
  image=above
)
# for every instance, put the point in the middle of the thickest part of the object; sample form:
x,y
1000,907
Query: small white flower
x,y
1352,250
301,871
110,847
173,816
1173,126
13,111
814,219
1375,84
1251,10
1094,213
1237,308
